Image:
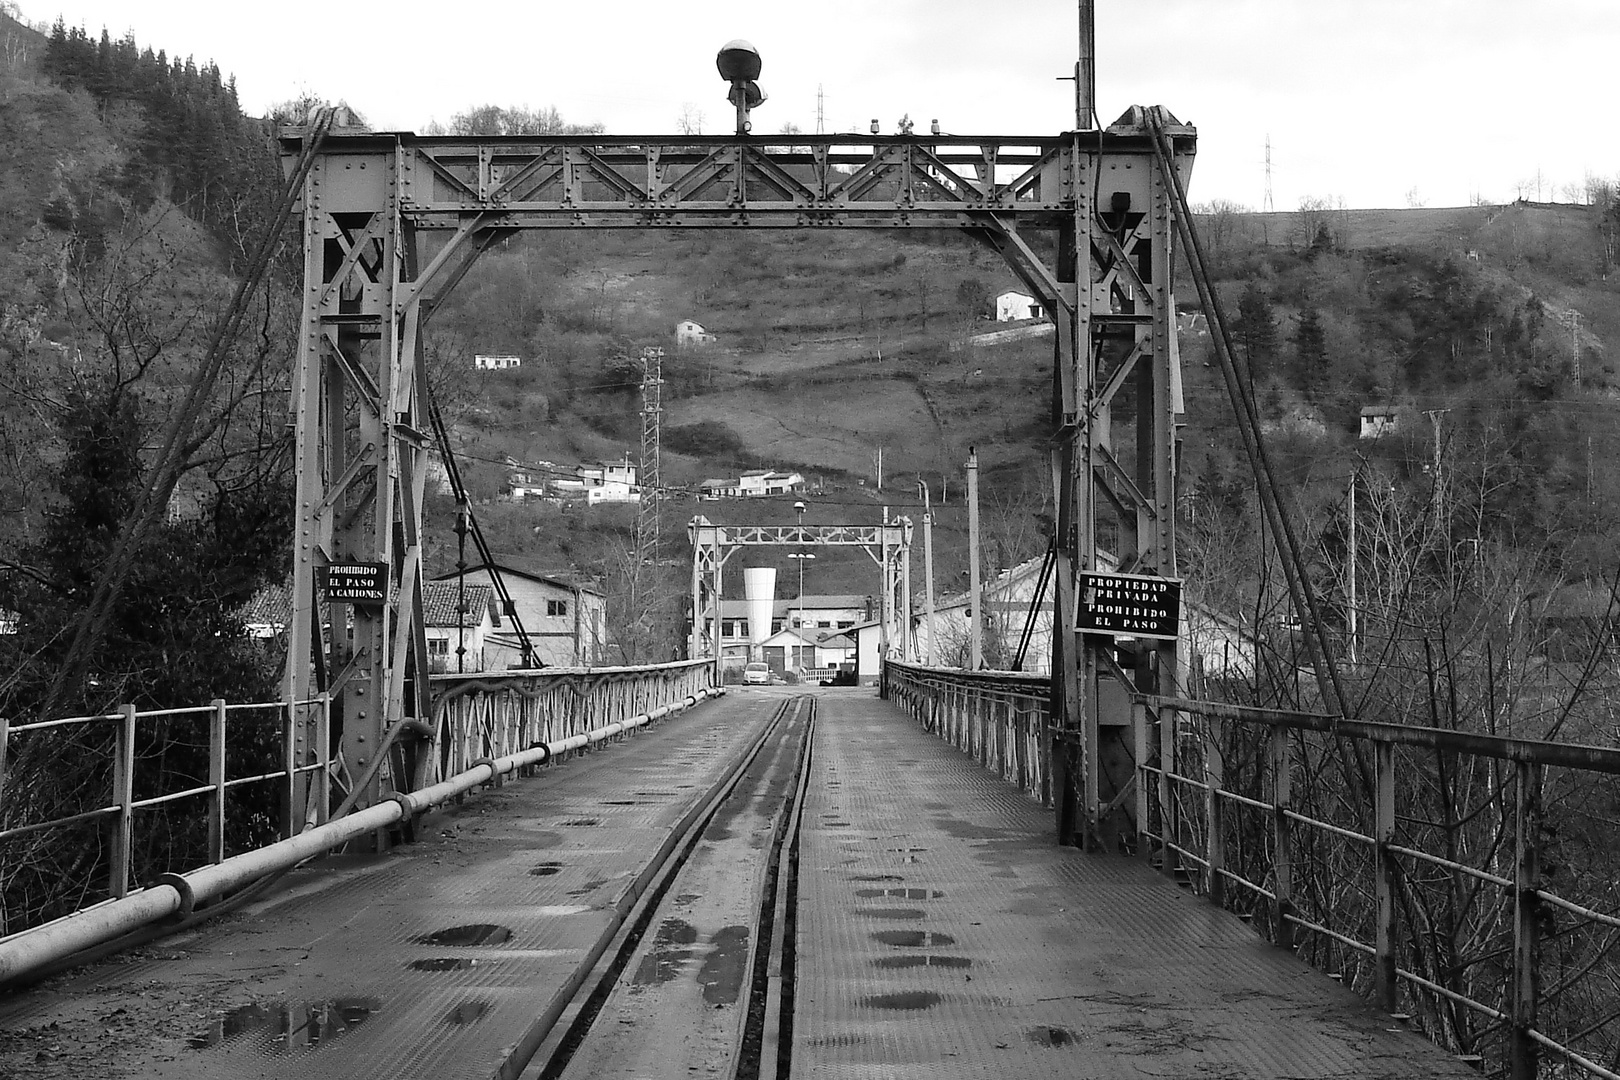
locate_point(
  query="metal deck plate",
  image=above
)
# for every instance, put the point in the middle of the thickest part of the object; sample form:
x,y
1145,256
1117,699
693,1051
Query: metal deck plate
x,y
943,933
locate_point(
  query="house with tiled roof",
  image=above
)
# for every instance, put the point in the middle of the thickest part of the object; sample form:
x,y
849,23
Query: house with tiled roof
x,y
458,619
563,619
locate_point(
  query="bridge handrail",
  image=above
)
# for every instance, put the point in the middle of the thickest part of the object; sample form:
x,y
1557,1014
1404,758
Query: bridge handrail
x,y
123,804
1206,838
24,953
1001,718
477,715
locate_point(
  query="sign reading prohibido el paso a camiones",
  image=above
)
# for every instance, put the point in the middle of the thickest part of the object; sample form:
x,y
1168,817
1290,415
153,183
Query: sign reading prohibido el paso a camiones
x,y
356,583
1130,605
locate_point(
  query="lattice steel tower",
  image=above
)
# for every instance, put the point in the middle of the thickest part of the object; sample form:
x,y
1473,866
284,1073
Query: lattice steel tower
x,y
648,520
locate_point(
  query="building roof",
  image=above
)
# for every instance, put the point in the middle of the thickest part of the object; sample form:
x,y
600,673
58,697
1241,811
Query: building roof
x,y
515,564
270,606
439,604
815,602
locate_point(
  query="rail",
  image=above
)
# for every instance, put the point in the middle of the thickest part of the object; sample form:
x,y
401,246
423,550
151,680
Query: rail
x,y
999,718
1415,862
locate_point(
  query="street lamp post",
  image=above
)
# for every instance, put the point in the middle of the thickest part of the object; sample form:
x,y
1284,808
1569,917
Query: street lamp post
x,y
928,568
800,558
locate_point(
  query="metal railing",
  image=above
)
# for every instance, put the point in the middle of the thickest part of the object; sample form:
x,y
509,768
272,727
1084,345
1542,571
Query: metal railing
x,y
1000,718
111,741
491,714
252,774
1416,862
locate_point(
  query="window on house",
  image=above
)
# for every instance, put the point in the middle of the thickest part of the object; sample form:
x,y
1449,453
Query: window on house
x,y
776,626
438,646
556,607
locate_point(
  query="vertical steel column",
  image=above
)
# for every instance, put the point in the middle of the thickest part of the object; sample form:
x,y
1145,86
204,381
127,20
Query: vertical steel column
x,y
321,792
1524,1053
1157,414
1168,818
1214,810
312,522
123,796
1384,870
216,781
1282,836
1139,727
289,766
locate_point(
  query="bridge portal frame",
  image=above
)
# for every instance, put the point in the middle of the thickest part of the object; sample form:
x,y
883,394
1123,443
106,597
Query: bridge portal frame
x,y
360,403
888,545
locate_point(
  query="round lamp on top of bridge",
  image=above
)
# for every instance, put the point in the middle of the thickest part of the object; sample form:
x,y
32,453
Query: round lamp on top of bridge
x,y
739,65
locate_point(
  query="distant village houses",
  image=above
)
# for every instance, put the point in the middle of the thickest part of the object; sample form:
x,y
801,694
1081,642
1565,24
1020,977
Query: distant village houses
x,y
590,483
755,484
482,362
691,335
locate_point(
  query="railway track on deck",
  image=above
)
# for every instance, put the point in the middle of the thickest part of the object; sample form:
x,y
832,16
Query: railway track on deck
x,y
697,977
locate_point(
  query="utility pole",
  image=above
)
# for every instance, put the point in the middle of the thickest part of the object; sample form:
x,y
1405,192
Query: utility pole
x,y
879,460
1439,487
928,575
649,520
1085,70
1351,613
975,616
1575,344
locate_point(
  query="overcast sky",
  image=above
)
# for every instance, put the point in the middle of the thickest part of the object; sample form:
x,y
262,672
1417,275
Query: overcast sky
x,y
1378,102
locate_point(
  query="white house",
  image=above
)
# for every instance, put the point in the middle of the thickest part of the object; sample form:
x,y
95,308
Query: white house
x,y
807,650
563,620
833,612
1379,420
1016,307
481,362
602,482
691,335
754,484
457,634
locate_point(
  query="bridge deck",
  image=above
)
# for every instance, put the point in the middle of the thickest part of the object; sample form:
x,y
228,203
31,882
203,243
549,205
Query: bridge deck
x,y
940,933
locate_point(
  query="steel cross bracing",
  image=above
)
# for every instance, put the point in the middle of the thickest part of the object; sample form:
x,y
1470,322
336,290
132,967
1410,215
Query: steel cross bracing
x,y
888,544
392,221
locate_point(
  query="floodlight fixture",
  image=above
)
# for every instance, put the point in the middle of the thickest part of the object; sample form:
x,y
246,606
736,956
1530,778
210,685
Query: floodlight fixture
x,y
739,65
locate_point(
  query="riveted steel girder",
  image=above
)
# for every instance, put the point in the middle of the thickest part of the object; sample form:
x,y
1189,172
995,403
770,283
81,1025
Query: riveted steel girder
x,y
1082,219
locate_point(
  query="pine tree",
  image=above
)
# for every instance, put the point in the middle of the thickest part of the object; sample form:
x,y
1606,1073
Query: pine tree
x,y
1257,331
1310,352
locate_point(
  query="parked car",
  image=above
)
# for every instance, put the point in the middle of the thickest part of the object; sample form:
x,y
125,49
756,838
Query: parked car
x,y
757,674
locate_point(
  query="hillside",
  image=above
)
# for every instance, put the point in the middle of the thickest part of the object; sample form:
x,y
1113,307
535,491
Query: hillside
x,y
829,348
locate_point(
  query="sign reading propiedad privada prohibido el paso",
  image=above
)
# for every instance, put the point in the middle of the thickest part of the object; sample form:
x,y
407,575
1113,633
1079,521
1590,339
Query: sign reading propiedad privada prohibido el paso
x,y
1130,605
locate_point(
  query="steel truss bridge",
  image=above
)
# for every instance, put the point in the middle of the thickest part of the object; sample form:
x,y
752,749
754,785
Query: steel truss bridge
x,y
392,221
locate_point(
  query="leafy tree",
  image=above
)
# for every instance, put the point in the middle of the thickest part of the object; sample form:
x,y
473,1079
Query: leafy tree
x,y
517,120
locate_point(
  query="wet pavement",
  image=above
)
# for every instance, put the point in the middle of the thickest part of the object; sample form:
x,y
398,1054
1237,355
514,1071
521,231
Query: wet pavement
x,y
425,962
941,933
